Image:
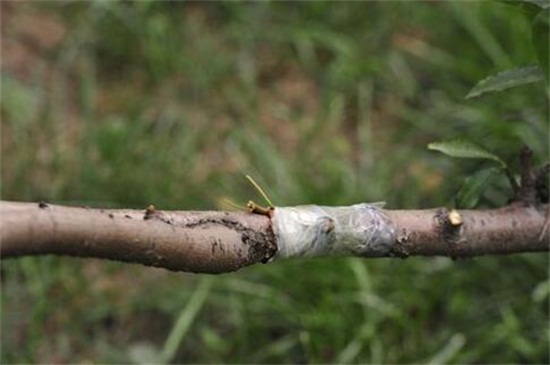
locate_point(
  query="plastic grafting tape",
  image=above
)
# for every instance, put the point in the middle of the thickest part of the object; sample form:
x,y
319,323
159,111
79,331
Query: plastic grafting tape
x,y
312,230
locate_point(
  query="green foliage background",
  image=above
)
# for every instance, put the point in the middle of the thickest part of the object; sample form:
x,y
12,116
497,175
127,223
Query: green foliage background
x,y
126,104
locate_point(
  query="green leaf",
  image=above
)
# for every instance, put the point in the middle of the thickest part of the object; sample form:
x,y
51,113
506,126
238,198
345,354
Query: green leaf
x,y
540,29
474,186
464,149
543,4
507,79
528,7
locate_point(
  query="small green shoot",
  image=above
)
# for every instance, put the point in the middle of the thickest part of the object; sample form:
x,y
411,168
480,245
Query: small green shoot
x,y
226,202
255,208
251,206
260,190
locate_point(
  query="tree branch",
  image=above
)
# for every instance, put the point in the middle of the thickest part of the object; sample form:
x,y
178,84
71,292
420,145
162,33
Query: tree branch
x,y
213,242
466,233
218,242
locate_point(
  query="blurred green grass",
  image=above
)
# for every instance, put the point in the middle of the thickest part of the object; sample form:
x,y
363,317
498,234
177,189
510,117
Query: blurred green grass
x,y
124,104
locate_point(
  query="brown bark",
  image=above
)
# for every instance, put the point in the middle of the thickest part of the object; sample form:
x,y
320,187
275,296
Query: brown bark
x,y
217,242
513,229
213,242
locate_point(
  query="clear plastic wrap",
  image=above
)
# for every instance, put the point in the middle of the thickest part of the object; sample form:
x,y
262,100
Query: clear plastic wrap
x,y
312,230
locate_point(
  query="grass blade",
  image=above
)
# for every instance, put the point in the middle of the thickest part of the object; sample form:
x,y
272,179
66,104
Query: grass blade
x,y
185,320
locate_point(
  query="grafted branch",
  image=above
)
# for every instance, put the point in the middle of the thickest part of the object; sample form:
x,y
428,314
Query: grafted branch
x,y
218,242
212,242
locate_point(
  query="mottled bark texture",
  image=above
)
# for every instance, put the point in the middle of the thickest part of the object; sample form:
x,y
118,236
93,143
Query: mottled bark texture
x,y
212,242
218,242
513,229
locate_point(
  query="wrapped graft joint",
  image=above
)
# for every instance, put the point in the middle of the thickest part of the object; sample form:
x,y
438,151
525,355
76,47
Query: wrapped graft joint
x,y
313,230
